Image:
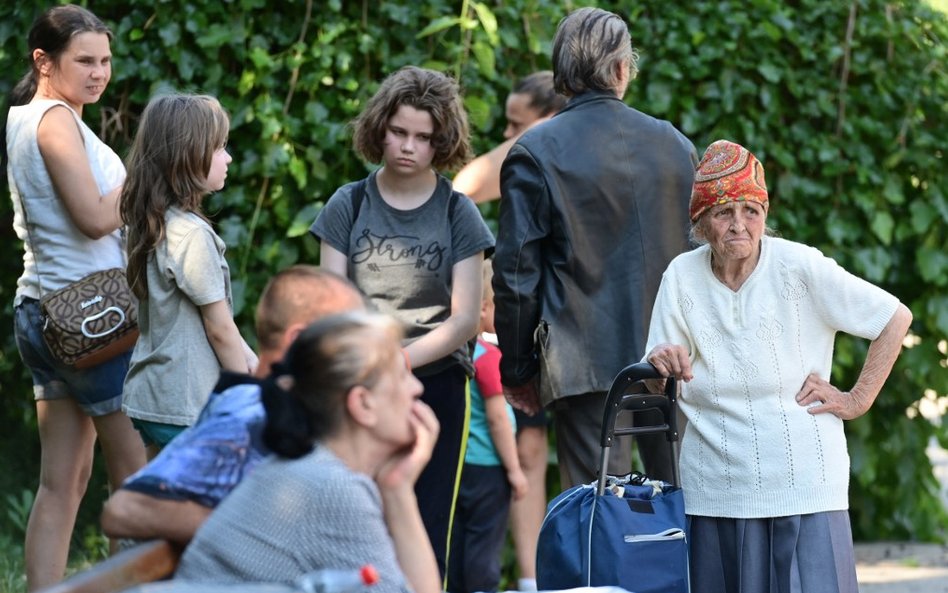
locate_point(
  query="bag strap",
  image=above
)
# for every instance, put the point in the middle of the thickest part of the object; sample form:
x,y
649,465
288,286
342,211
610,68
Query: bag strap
x,y
26,217
29,235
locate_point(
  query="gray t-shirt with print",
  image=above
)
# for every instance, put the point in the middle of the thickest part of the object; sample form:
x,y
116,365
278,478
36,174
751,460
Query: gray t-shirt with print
x,y
403,259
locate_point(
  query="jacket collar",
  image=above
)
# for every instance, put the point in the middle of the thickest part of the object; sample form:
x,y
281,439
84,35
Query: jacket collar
x,y
589,97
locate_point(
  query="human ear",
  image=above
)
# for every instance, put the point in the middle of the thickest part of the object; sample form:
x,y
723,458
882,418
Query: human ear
x,y
362,407
289,336
42,61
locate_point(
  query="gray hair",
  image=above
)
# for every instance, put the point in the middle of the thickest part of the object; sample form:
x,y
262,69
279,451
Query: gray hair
x,y
589,45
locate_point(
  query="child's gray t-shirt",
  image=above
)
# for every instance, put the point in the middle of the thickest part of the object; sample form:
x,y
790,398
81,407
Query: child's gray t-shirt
x,y
174,368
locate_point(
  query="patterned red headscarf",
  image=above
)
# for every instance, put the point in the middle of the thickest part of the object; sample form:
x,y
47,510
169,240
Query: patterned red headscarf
x,y
728,172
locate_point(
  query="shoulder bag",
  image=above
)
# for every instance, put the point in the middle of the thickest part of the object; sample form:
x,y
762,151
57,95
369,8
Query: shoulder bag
x,y
89,321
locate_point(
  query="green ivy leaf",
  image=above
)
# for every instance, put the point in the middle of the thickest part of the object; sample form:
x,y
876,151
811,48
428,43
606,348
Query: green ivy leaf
x,y
770,72
937,311
478,111
892,190
882,225
215,35
170,34
438,25
874,262
488,22
261,58
659,97
485,59
304,219
297,169
923,216
933,265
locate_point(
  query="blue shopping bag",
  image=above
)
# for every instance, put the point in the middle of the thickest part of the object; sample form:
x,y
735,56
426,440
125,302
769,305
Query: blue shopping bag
x,y
636,540
628,531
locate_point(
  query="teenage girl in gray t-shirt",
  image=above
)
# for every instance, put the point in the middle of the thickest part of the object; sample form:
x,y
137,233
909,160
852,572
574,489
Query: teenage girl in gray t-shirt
x,y
415,248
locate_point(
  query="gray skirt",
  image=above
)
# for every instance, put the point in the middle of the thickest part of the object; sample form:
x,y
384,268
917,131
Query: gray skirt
x,y
796,554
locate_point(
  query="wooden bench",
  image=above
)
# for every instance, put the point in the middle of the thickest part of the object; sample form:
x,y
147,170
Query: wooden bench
x,y
143,563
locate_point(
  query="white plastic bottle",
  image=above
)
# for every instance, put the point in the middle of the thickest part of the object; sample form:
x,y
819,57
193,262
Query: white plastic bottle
x,y
338,580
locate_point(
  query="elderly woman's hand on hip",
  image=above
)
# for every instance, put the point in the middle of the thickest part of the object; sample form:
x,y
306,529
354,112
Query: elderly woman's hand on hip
x,y
820,397
671,360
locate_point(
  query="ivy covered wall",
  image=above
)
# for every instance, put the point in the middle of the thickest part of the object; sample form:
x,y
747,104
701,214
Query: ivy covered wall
x,y
845,103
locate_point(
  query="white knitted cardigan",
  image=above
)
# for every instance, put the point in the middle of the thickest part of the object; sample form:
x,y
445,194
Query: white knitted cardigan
x,y
749,450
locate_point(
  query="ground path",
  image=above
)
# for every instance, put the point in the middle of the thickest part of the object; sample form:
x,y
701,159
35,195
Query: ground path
x,y
907,567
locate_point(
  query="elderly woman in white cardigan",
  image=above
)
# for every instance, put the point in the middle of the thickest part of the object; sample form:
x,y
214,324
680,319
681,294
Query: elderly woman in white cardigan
x,y
748,322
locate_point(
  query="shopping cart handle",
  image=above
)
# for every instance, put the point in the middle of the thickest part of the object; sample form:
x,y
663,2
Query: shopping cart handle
x,y
619,399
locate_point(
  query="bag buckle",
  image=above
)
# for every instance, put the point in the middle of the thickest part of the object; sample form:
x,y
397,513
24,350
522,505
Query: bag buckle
x,y
98,316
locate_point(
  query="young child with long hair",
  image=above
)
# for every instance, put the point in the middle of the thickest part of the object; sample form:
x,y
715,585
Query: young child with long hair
x,y
176,266
415,247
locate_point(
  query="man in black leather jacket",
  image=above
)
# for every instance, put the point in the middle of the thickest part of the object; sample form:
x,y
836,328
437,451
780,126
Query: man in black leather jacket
x,y
594,206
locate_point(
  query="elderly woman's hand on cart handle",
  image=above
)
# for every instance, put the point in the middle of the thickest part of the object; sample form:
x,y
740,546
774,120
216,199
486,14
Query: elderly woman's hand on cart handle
x,y
670,360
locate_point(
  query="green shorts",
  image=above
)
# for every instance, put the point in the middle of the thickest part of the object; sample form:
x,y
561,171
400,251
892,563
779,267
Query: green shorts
x,y
156,433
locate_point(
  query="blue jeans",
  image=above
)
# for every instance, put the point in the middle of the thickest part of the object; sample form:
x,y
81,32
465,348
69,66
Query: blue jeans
x,y
97,390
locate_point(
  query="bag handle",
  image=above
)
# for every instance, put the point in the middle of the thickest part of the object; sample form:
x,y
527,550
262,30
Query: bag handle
x,y
619,399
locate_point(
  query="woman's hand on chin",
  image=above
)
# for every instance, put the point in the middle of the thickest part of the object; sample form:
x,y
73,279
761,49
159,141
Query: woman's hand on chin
x,y
404,466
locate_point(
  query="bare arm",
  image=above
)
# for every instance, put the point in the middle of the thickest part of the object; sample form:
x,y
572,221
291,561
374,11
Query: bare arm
x,y
332,259
461,326
502,434
253,361
64,153
224,337
396,481
480,179
139,516
883,351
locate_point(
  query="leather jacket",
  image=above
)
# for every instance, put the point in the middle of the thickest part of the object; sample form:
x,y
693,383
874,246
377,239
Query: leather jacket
x,y
594,206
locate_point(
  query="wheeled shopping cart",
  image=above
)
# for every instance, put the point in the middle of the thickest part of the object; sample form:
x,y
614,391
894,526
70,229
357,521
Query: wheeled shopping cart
x,y
626,531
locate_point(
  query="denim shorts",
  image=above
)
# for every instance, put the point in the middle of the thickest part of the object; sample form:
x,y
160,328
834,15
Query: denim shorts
x,y
97,390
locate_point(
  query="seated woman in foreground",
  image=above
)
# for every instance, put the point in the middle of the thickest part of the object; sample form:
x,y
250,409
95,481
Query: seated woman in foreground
x,y
350,438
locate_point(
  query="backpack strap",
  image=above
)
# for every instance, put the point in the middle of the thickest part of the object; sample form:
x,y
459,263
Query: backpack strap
x,y
357,196
453,203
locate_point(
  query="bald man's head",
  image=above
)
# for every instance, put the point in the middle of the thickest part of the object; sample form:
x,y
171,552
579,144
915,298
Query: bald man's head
x,y
297,296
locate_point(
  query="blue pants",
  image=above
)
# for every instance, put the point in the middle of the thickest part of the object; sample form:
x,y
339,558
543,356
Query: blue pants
x,y
480,525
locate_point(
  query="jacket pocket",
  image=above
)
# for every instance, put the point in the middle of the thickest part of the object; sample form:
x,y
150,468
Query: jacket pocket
x,y
547,382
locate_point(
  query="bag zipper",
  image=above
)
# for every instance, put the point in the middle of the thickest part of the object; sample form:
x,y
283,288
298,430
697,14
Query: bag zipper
x,y
672,534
